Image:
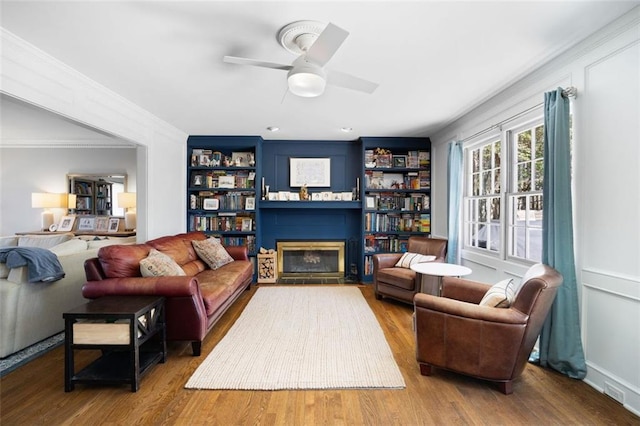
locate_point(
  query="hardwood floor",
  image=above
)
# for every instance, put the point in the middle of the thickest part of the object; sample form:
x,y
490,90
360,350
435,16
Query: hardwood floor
x,y
34,394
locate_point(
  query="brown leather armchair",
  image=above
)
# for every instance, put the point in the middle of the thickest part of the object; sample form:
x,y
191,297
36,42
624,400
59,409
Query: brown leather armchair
x,y
402,283
454,333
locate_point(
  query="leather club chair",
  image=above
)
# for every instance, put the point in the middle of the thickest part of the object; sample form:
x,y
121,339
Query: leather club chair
x,y
402,283
454,333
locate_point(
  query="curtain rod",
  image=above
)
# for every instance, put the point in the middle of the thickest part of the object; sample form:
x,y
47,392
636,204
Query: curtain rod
x,y
569,92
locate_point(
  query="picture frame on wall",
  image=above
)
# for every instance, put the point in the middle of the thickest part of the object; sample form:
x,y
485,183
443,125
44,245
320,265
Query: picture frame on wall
x,y
312,172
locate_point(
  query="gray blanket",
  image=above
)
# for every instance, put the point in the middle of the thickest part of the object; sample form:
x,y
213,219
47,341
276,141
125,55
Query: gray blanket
x,y
42,264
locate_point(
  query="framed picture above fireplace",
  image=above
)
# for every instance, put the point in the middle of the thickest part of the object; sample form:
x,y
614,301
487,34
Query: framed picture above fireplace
x,y
312,172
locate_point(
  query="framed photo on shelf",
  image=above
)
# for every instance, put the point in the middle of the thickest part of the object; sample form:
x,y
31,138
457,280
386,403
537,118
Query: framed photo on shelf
x,y
247,224
66,223
294,196
313,172
102,224
241,159
86,223
316,196
347,196
250,203
326,195
400,161
383,160
227,181
114,223
198,179
210,204
370,202
273,196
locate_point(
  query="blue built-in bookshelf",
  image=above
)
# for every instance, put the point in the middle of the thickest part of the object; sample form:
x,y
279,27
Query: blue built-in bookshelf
x,y
229,198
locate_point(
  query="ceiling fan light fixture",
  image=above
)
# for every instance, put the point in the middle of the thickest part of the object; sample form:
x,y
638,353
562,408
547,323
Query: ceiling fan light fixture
x,y
307,82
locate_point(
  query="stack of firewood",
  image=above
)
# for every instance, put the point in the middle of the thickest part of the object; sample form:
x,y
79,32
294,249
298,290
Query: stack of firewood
x,y
267,270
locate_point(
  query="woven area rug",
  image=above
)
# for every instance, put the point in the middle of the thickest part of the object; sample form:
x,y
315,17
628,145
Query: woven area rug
x,y
301,338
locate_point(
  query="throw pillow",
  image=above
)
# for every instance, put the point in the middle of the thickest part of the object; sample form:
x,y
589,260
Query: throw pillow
x,y
212,252
500,295
158,264
43,241
74,245
409,259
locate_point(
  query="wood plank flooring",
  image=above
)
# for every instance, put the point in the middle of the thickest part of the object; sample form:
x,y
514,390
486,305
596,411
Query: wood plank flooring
x,y
34,394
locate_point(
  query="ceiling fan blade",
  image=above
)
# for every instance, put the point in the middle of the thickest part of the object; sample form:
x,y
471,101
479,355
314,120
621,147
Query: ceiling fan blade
x,y
256,63
349,81
326,45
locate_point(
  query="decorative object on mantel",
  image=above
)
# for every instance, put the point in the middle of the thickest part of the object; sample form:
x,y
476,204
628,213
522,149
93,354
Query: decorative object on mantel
x,y
127,200
46,201
304,193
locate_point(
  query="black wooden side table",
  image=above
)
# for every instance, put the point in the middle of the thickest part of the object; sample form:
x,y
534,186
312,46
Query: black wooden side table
x,y
130,331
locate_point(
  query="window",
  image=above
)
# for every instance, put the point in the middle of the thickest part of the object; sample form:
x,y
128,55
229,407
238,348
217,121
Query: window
x,y
525,197
503,193
482,205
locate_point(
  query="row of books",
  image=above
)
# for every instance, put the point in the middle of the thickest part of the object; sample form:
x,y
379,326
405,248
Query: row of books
x,y
385,243
397,201
414,159
209,200
221,222
247,240
82,188
395,222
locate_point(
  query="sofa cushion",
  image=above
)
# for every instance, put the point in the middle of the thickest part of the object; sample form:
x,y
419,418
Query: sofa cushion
x,y
4,270
10,241
74,245
43,241
216,285
398,277
179,247
212,252
121,261
408,259
500,295
109,241
158,264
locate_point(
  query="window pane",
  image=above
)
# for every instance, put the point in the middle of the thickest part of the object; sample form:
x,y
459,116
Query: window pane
x,y
496,182
520,210
536,205
519,242
496,154
524,177
539,142
486,183
486,157
482,210
495,209
476,160
524,146
539,175
535,245
476,184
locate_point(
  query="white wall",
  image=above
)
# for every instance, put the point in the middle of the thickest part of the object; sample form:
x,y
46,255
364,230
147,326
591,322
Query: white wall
x,y
27,170
606,70
34,77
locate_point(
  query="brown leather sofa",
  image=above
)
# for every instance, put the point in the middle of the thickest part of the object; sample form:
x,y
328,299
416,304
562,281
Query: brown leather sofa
x,y
402,283
455,333
193,302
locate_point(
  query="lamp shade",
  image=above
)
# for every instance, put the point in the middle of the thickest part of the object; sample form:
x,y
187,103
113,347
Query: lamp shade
x,y
127,199
46,200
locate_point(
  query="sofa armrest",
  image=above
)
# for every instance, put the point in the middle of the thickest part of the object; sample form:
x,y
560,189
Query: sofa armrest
x,y
385,260
173,286
463,289
469,311
238,252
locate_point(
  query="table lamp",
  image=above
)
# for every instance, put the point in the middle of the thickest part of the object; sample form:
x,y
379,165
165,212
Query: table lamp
x,y
127,200
46,201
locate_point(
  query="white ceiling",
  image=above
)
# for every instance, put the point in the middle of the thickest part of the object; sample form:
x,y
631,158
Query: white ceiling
x,y
434,60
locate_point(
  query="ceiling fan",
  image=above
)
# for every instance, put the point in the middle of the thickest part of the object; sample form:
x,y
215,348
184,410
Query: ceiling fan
x,y
315,44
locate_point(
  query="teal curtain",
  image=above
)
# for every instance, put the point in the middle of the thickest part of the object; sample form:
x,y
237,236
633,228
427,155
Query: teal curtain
x,y
454,200
560,341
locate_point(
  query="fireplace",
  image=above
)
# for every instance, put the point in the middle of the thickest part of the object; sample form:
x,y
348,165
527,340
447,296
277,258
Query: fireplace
x,y
298,259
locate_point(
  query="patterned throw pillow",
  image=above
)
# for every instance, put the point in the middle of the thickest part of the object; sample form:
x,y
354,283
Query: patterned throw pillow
x,y
500,295
212,252
409,259
158,264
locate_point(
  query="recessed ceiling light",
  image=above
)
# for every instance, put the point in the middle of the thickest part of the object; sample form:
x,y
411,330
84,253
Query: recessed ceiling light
x,y
273,128
347,129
